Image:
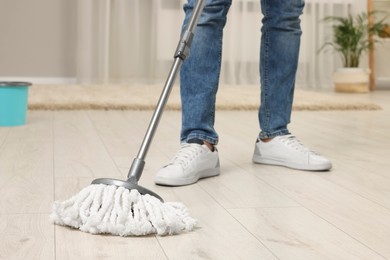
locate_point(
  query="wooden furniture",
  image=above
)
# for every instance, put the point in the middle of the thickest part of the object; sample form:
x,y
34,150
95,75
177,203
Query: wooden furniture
x,y
371,56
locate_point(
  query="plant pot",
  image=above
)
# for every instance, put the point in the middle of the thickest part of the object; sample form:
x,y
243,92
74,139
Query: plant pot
x,y
351,80
13,103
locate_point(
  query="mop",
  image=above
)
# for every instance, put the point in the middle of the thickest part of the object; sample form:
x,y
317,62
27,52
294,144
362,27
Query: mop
x,y
124,208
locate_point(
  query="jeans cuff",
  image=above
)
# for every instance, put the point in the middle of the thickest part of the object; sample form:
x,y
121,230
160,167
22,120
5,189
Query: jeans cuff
x,y
211,140
265,135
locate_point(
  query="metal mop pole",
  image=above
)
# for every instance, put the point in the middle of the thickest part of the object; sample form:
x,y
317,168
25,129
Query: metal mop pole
x,y
182,52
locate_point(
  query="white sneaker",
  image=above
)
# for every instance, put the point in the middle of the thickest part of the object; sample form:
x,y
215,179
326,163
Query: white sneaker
x,y
192,162
288,151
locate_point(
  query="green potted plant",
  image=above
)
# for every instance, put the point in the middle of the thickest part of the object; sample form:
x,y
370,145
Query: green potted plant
x,y
351,39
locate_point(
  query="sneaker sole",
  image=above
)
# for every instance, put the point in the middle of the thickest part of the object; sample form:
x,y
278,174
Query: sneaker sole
x,y
181,182
318,167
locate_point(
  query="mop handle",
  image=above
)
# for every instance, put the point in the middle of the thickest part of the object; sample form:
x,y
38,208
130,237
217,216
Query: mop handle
x,y
182,52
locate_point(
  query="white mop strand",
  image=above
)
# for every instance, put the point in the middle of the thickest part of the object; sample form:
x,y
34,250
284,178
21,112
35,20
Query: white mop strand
x,y
101,208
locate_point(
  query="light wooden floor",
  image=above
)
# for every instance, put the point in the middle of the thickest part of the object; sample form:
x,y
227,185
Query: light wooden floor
x,y
249,212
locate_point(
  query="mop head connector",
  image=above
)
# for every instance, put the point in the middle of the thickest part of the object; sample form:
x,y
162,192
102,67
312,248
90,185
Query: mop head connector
x,y
109,209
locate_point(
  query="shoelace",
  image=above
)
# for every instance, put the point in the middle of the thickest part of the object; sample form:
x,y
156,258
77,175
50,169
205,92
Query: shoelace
x,y
294,142
186,154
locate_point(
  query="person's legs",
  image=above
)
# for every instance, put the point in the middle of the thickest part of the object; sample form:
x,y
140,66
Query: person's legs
x,y
199,75
199,78
280,42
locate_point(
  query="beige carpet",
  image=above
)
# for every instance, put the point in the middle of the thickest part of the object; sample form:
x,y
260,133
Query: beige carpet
x,y
114,97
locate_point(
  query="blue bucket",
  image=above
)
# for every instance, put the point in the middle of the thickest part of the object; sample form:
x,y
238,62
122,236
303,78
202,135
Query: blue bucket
x,y
13,103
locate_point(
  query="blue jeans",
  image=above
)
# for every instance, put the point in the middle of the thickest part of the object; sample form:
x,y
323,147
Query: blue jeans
x,y
279,51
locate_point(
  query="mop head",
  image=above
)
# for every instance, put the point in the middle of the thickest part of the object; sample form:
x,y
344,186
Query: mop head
x,y
109,209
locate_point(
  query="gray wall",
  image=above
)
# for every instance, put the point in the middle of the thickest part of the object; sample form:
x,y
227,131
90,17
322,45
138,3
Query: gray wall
x,y
38,38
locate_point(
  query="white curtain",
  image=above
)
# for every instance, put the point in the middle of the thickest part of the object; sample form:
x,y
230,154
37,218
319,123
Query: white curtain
x,y
315,68
133,41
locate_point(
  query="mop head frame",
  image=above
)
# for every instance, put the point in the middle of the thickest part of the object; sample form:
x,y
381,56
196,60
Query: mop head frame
x,y
109,209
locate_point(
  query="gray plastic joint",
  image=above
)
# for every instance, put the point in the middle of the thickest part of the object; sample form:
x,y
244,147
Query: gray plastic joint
x,y
183,48
136,169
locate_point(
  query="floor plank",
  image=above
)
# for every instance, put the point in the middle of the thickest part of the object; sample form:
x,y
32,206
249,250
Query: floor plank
x,y
26,236
237,189
74,244
356,216
26,166
79,151
296,233
3,134
218,236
